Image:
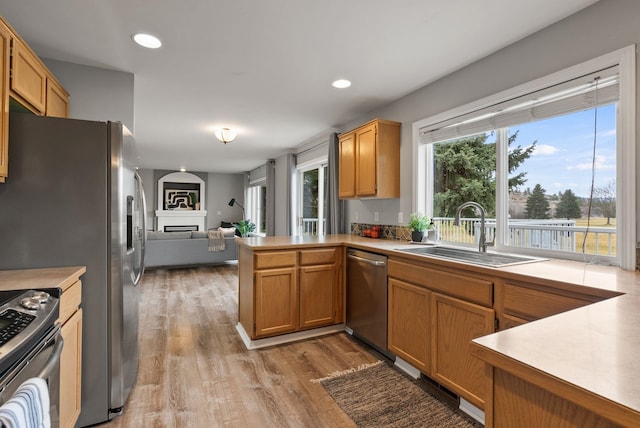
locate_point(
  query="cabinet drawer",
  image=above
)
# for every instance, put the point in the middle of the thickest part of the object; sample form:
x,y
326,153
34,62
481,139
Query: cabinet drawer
x,y
70,301
274,259
532,304
465,287
323,256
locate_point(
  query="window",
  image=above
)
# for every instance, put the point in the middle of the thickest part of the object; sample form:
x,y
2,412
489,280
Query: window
x,y
548,161
256,206
311,199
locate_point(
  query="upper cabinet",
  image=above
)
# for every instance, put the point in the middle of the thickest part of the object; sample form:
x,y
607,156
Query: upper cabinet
x,y
57,100
28,83
28,78
369,161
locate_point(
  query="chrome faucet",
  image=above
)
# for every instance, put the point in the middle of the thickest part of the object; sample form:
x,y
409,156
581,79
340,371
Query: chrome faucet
x,y
482,244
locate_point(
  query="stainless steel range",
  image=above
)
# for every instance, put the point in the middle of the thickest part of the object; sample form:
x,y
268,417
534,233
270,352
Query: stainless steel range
x,y
30,342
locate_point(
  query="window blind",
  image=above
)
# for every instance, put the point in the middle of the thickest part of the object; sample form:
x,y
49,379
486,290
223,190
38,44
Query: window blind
x,y
571,96
258,175
313,154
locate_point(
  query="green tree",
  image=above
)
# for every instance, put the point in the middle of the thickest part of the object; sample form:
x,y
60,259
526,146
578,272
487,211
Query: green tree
x,y
569,206
465,170
310,194
537,204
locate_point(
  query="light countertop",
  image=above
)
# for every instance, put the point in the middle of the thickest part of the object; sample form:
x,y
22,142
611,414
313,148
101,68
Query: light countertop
x,y
24,279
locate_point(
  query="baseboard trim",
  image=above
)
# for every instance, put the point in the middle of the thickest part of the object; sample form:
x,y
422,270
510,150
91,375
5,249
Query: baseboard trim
x,y
407,368
471,410
285,338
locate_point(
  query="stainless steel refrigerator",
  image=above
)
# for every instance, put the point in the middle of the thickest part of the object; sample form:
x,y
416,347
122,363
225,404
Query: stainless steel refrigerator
x,y
73,197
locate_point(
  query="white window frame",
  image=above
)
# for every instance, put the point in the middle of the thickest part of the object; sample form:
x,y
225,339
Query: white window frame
x,y
318,164
254,206
626,160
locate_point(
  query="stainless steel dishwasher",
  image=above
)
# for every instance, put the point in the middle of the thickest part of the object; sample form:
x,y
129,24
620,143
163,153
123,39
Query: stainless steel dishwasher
x,y
367,298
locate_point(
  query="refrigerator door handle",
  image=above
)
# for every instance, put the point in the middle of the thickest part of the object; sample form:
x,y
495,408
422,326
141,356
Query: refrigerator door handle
x,y
143,241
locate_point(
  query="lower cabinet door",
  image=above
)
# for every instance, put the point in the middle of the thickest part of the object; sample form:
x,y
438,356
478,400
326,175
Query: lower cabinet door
x,y
276,301
71,371
454,324
317,296
410,323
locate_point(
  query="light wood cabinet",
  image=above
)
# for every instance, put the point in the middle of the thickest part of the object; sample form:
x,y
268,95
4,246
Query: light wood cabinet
x,y
70,316
519,403
28,77
320,279
26,84
434,313
518,303
276,301
369,164
71,371
5,41
347,166
317,296
454,323
57,100
409,319
284,291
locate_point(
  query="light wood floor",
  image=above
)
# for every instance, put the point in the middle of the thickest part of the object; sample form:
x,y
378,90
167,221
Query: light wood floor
x,y
195,371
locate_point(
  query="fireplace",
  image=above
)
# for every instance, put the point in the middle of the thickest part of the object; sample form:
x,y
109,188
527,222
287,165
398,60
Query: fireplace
x,y
186,228
181,197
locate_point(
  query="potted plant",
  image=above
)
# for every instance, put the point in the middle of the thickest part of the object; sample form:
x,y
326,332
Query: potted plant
x,y
195,201
245,227
418,224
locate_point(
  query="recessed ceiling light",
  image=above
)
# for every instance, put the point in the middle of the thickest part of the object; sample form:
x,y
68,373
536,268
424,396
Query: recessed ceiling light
x,y
147,40
341,83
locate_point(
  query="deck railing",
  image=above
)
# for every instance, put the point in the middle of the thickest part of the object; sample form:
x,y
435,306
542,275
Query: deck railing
x,y
309,226
561,235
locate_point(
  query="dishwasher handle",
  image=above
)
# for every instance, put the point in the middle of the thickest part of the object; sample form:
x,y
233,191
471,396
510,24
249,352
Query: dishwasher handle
x,y
369,261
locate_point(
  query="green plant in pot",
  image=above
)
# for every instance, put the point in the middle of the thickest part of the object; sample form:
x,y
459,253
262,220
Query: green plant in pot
x,y
245,227
195,201
419,224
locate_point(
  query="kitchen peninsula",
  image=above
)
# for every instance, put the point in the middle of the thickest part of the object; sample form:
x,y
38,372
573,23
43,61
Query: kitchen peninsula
x,y
576,337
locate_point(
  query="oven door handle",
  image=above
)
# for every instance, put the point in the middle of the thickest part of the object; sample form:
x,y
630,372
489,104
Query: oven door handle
x,y
54,359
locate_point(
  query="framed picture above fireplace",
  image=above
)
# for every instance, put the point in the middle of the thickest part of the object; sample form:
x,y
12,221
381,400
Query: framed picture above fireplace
x,y
181,199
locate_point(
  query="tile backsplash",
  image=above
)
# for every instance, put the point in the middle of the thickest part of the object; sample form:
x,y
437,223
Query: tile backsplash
x,y
387,231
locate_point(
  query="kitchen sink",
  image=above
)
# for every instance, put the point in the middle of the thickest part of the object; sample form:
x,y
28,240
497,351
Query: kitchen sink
x,y
469,256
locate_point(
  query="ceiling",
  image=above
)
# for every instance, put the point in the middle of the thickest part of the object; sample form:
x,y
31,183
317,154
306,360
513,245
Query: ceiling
x,y
265,67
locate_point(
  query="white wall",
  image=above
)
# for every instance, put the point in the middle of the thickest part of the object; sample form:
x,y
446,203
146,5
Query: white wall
x,y
220,189
283,201
96,93
604,27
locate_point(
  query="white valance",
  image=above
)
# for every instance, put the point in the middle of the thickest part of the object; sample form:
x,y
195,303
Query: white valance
x,y
571,96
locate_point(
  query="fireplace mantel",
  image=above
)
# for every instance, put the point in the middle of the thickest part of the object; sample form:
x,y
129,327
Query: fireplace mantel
x,y
181,218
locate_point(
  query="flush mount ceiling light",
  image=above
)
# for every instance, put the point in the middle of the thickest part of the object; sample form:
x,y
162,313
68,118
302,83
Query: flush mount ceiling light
x,y
226,135
147,40
341,83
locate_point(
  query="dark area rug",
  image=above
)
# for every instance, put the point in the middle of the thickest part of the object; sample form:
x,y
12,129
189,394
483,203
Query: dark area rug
x,y
380,396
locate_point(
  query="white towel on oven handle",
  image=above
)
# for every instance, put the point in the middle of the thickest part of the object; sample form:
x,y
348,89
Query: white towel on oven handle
x,y
28,407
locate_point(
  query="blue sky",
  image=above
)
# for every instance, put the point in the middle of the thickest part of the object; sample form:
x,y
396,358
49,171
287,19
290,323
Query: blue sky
x,y
563,156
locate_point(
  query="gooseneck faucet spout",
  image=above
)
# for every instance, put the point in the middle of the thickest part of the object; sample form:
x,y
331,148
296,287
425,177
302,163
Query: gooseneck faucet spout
x,y
482,242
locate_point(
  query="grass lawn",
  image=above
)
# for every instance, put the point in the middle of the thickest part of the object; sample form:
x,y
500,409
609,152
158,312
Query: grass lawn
x,y
602,243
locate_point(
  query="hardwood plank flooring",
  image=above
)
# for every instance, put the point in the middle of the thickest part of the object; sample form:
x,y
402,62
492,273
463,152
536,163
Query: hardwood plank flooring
x,y
195,371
